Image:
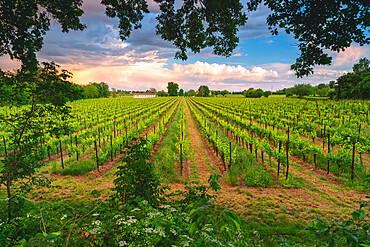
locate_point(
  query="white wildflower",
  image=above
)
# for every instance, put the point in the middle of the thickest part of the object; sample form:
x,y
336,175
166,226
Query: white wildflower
x,y
173,231
96,222
122,243
148,230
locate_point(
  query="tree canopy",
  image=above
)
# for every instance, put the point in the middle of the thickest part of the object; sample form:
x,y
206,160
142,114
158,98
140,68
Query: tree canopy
x,y
172,88
191,93
203,91
196,24
363,64
302,89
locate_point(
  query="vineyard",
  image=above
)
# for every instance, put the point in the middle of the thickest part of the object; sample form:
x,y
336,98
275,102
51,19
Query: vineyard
x,y
281,160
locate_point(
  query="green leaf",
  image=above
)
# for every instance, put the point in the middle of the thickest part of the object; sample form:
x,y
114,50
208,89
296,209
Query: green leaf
x,y
358,214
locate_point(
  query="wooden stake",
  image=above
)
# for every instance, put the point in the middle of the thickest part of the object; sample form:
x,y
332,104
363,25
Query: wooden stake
x,y
61,153
287,156
353,161
180,159
230,157
111,148
328,151
6,152
96,154
76,147
278,171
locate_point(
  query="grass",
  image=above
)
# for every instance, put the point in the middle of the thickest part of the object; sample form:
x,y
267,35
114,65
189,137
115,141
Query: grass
x,y
80,168
167,155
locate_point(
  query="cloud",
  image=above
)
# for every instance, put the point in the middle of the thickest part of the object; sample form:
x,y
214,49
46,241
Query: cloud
x,y
7,64
256,24
222,71
350,56
238,54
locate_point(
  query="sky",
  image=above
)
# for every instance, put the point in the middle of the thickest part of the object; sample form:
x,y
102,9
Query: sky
x,y
145,60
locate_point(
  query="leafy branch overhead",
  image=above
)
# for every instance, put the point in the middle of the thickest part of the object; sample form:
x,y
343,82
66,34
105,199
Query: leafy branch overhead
x,y
193,25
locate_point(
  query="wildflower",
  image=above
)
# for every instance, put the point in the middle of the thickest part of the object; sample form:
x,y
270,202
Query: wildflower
x,y
122,243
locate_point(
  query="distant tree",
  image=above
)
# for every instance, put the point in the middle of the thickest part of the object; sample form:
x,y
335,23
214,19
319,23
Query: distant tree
x,y
322,89
331,94
162,93
252,93
104,91
203,91
249,93
353,85
181,92
363,64
332,84
213,93
114,93
224,92
152,90
289,92
191,93
258,93
303,89
217,93
266,94
172,88
90,91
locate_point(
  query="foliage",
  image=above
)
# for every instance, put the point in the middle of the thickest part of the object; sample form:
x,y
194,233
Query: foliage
x,y
181,92
191,93
136,177
223,219
203,91
172,88
322,89
197,25
253,93
302,90
353,85
46,93
102,223
354,232
96,90
24,23
167,155
266,94
152,90
162,93
363,64
315,25
224,92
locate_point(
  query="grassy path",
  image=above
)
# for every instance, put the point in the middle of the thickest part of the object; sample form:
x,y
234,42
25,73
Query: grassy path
x,y
203,163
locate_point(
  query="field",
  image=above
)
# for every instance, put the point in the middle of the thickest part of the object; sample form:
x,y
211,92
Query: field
x,y
283,161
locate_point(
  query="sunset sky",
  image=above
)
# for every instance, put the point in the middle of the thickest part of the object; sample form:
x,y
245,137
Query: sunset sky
x,y
145,60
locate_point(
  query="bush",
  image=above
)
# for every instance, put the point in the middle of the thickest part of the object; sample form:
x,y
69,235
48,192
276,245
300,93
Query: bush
x,y
136,177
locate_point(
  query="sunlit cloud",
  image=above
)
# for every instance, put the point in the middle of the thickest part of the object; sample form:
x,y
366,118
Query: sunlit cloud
x,y
223,71
350,56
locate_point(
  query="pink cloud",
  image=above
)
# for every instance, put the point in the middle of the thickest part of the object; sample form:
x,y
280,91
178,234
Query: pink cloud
x,y
350,56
